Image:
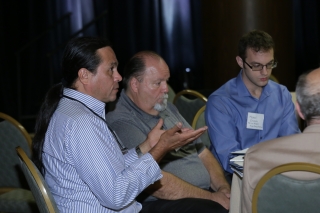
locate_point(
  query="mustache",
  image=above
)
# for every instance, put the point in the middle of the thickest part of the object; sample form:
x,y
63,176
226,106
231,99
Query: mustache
x,y
165,96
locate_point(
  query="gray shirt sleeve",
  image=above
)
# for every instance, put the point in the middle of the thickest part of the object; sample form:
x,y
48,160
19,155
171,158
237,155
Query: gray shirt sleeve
x,y
130,135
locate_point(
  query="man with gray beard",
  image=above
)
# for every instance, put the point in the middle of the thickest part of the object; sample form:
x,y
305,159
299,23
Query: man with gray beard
x,y
193,180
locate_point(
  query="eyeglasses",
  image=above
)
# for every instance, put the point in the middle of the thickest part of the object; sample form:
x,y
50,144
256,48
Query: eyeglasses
x,y
259,67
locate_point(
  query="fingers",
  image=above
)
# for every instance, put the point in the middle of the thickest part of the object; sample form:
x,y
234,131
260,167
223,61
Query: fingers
x,y
189,136
185,129
196,133
225,191
174,138
175,128
228,195
199,130
222,199
159,124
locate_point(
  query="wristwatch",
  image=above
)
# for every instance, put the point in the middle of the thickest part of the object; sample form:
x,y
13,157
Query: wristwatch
x,y
138,151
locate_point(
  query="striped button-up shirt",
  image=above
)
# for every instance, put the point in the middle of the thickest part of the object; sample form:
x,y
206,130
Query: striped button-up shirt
x,y
85,168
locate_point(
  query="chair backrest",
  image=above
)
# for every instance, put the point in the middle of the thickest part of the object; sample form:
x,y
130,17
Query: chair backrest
x,y
199,121
188,103
171,94
38,186
300,121
278,193
273,78
12,134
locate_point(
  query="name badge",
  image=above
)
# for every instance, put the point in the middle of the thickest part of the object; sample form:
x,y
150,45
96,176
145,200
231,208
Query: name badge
x,y
255,121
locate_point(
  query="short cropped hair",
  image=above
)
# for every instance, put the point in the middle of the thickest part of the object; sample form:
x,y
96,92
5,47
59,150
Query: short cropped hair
x,y
136,67
257,40
308,97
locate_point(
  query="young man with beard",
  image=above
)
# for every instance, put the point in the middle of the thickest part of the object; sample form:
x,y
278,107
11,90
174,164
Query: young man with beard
x,y
249,109
193,180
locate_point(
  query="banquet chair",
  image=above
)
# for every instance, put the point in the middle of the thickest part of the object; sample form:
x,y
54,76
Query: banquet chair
x,y
171,94
273,78
299,120
39,187
278,193
199,121
188,103
15,195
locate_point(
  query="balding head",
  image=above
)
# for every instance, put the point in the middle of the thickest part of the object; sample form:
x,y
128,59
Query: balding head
x,y
137,65
308,95
313,81
146,76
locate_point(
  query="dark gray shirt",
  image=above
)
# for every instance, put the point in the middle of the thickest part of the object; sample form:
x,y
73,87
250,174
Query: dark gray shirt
x,y
132,125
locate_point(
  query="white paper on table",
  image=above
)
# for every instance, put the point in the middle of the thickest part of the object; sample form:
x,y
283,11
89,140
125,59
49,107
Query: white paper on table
x,y
239,163
239,158
240,152
238,172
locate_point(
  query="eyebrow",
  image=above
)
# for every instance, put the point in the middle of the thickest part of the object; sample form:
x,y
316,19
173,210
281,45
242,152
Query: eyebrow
x,y
114,63
163,79
253,62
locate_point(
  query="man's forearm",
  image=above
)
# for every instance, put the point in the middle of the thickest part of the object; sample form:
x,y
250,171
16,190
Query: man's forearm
x,y
217,177
170,187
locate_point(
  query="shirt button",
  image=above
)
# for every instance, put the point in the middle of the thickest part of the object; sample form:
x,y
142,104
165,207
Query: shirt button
x,y
260,137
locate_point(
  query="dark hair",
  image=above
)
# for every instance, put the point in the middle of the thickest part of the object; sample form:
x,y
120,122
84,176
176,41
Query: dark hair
x,y
257,40
136,66
80,52
308,97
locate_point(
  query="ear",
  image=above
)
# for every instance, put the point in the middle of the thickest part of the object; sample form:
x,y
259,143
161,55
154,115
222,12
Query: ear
x,y
299,110
239,61
84,75
134,84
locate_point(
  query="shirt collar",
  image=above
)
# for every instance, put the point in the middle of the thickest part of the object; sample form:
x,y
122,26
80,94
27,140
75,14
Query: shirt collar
x,y
312,128
243,91
94,104
134,108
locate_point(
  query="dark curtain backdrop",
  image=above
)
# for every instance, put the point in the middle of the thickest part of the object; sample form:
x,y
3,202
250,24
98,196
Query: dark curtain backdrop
x,y
39,30
307,34
170,28
33,34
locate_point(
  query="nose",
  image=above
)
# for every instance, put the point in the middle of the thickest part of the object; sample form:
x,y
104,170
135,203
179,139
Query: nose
x,y
116,75
165,88
264,70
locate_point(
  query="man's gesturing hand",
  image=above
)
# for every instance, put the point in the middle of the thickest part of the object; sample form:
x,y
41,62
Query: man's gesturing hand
x,y
174,138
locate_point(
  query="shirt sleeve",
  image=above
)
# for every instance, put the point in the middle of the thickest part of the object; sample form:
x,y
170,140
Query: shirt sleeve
x,y
100,163
289,123
222,131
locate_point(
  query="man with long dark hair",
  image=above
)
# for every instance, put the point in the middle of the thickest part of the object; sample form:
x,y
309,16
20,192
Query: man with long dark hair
x,y
85,165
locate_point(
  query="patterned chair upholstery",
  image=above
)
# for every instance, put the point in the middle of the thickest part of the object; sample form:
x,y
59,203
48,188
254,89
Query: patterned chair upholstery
x,y
39,187
188,103
15,195
199,121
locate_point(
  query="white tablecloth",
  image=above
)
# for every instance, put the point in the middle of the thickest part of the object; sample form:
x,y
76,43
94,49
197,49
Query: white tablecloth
x,y
235,199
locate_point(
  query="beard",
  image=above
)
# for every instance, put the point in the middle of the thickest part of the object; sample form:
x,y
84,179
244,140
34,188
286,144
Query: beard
x,y
162,106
